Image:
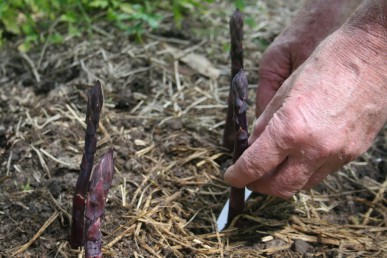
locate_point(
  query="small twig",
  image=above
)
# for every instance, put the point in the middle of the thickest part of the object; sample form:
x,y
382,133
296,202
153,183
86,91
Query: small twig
x,y
55,159
379,196
32,66
123,193
48,121
56,204
83,124
61,251
42,162
9,163
189,50
131,72
37,235
168,39
177,78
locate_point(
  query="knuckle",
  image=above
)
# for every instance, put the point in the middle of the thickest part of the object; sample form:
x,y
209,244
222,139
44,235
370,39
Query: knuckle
x,y
287,129
339,148
350,152
252,170
290,179
288,188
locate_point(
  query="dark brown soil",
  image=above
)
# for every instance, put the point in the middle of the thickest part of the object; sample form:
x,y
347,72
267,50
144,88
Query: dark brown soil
x,y
164,119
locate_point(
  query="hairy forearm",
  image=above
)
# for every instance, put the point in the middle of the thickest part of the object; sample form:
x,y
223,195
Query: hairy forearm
x,y
370,16
322,17
340,9
367,29
358,48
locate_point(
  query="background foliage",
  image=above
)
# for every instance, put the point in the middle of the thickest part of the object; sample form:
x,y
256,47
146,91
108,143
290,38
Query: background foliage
x,y
38,21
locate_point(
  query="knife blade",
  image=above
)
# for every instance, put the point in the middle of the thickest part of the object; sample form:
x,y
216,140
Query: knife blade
x,y
223,216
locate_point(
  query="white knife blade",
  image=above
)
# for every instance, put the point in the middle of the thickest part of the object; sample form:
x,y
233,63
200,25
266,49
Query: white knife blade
x,y
222,219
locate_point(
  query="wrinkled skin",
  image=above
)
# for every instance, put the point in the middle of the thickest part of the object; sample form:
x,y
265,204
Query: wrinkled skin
x,y
321,116
314,22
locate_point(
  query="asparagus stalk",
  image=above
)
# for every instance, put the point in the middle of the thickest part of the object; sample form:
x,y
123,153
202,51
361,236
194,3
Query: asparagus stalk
x,y
94,106
239,98
100,183
236,53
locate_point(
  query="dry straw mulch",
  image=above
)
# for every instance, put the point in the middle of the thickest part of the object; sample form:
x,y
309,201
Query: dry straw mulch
x,y
164,115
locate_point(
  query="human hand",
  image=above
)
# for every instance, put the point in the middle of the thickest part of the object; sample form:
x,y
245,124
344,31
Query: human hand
x,y
324,115
314,22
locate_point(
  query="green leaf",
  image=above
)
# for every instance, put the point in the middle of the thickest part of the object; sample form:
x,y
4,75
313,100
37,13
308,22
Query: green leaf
x,y
250,22
28,28
26,187
99,4
72,30
9,17
153,21
112,15
1,38
226,47
240,4
56,38
127,8
28,43
70,17
17,3
177,13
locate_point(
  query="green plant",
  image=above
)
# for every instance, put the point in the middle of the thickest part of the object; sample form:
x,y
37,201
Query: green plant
x,y
34,20
134,18
39,21
27,186
180,7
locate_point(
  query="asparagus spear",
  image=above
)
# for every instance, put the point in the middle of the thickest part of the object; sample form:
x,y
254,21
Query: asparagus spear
x,y
100,183
94,106
239,98
236,53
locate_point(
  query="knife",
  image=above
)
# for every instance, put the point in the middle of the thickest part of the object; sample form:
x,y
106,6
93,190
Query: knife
x,y
223,217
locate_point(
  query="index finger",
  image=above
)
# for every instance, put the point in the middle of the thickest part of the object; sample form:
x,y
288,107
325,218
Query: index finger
x,y
260,158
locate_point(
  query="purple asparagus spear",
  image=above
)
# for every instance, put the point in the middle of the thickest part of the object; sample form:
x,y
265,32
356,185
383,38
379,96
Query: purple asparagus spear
x,y
100,183
239,97
94,106
236,53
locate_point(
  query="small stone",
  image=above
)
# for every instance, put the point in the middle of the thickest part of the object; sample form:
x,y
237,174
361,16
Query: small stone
x,y
174,124
301,246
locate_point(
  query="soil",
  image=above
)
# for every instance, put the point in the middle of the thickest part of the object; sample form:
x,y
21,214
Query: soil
x,y
165,120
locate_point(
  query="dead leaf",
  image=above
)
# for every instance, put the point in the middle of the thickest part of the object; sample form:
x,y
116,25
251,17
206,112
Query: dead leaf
x,y
197,62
